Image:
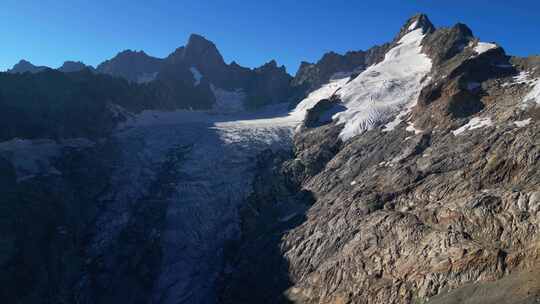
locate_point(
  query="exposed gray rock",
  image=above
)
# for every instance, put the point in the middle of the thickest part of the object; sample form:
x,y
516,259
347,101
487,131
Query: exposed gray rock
x,y
401,217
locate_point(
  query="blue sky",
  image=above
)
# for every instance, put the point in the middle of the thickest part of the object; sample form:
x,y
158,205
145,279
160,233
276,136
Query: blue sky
x,y
47,32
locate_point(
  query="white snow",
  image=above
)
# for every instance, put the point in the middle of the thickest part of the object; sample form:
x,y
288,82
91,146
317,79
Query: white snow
x,y
386,89
483,47
474,123
411,128
522,78
196,74
522,123
383,93
413,25
324,92
534,95
228,101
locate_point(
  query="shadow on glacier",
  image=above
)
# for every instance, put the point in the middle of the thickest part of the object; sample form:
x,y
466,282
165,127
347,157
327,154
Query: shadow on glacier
x,y
257,270
202,216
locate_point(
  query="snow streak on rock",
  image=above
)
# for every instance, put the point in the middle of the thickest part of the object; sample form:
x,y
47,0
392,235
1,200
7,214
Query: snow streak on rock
x,y
474,123
197,75
534,94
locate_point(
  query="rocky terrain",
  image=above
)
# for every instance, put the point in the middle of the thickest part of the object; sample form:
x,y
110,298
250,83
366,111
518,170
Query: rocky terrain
x,y
443,201
406,173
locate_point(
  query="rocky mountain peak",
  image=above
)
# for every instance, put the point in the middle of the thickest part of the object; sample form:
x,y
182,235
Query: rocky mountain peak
x,y
135,66
271,66
198,51
419,21
73,66
24,66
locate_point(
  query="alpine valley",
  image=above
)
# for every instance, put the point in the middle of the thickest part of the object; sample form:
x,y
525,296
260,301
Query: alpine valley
x,y
406,173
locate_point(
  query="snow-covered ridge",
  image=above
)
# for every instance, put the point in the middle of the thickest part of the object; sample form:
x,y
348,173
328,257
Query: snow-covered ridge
x,y
386,89
383,91
325,92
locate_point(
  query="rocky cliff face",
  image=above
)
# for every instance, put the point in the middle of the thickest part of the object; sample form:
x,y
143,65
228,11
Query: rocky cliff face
x,y
443,198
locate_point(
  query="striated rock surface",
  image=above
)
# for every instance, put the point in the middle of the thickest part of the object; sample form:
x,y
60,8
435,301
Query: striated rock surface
x,y
446,199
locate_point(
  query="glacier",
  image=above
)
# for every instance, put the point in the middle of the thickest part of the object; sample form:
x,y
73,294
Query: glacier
x,y
216,176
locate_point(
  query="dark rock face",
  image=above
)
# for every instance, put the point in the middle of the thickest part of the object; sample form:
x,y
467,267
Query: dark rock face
x,y
175,75
134,66
72,66
24,66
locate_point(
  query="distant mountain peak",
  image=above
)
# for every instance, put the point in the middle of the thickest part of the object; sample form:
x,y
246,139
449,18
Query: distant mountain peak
x,y
24,66
418,21
73,66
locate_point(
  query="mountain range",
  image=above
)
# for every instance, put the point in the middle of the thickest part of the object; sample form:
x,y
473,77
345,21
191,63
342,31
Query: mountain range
x,y
406,173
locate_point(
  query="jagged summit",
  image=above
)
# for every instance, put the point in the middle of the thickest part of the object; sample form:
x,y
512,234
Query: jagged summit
x,y
74,66
24,66
419,21
197,51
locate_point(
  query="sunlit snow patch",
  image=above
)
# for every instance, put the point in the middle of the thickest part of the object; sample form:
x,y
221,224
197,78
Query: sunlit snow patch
x,y
483,47
412,128
522,123
534,94
413,25
385,89
324,92
474,123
